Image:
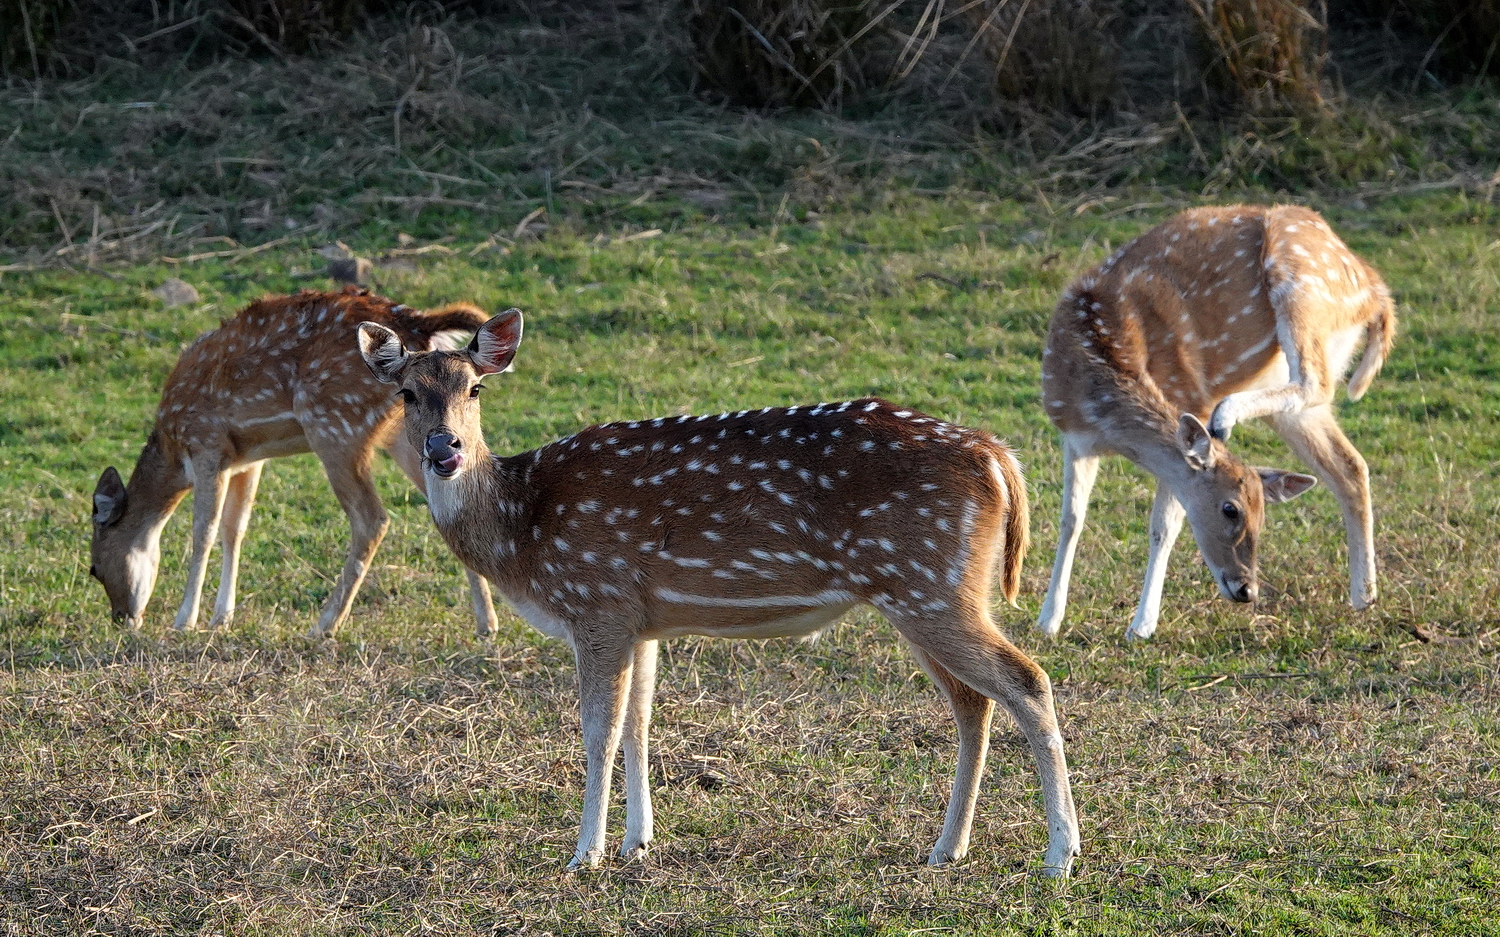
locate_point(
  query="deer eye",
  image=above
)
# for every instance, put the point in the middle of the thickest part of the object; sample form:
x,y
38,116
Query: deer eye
x,y
474,391
408,396
1231,510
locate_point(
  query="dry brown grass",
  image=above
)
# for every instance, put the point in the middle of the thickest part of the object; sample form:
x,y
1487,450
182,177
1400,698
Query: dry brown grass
x,y
224,785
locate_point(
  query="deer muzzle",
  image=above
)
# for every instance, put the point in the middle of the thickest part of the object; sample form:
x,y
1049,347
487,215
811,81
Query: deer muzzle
x,y
442,453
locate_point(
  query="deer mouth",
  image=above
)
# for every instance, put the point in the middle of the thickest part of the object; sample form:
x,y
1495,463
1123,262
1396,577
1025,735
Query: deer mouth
x,y
447,468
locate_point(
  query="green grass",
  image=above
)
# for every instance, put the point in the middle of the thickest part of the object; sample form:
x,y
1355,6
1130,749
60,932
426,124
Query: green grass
x,y
404,777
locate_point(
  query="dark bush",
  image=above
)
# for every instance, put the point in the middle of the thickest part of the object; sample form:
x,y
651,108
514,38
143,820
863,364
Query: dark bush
x,y
775,53
27,30
1052,55
38,36
1462,37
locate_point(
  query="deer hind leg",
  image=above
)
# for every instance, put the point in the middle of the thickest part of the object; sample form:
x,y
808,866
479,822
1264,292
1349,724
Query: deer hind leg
x,y
971,711
348,469
1079,473
604,683
1317,439
1167,515
239,499
1308,357
968,646
638,819
209,484
485,622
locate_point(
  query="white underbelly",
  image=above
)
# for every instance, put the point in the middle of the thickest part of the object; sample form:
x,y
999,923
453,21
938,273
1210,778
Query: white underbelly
x,y
1275,374
540,619
796,625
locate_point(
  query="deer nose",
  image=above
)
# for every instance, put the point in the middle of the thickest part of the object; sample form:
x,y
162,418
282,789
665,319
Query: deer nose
x,y
1241,591
442,451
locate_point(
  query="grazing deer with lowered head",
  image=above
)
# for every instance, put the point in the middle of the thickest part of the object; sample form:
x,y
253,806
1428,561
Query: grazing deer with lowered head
x,y
280,378
756,524
1217,316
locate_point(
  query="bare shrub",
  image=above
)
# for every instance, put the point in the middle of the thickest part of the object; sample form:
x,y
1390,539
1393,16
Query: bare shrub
x,y
294,25
782,52
1055,55
1266,56
27,29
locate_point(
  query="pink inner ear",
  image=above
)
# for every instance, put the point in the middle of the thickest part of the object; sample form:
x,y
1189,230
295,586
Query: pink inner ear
x,y
497,344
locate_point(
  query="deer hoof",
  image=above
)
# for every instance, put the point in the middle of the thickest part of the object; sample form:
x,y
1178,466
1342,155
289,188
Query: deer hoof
x,y
586,861
635,853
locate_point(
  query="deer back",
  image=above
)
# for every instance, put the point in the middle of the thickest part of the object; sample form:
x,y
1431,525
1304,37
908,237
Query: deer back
x,y
1188,313
748,523
287,365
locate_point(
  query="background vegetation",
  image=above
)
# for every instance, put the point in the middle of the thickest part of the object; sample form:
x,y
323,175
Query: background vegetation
x,y
1293,769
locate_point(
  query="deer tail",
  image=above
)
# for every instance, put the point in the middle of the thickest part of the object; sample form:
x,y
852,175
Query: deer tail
x,y
1380,332
1017,522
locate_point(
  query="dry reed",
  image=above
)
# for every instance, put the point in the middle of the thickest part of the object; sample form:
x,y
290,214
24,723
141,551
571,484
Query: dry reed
x,y
1266,56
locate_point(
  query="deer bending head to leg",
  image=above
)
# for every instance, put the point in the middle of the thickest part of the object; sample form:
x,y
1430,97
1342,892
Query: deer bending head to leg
x,y
756,524
1217,316
280,378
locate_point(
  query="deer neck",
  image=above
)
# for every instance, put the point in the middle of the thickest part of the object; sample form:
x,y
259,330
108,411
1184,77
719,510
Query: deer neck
x,y
1135,420
489,502
157,485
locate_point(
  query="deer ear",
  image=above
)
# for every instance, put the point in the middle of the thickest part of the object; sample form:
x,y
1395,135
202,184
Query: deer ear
x,y
1283,486
382,351
1194,441
494,345
109,498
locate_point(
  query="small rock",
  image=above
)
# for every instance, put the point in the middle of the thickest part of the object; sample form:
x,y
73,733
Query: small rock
x,y
354,270
175,292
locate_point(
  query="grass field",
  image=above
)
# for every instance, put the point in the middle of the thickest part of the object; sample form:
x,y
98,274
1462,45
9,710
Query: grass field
x,y
1296,768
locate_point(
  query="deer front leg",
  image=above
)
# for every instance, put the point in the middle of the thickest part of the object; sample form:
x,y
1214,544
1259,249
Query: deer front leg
x,y
239,500
604,682
410,462
349,474
1167,515
485,622
208,503
638,819
1079,473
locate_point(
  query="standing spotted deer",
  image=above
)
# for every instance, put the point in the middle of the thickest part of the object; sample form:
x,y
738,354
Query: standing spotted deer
x,y
280,378
1217,316
756,524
